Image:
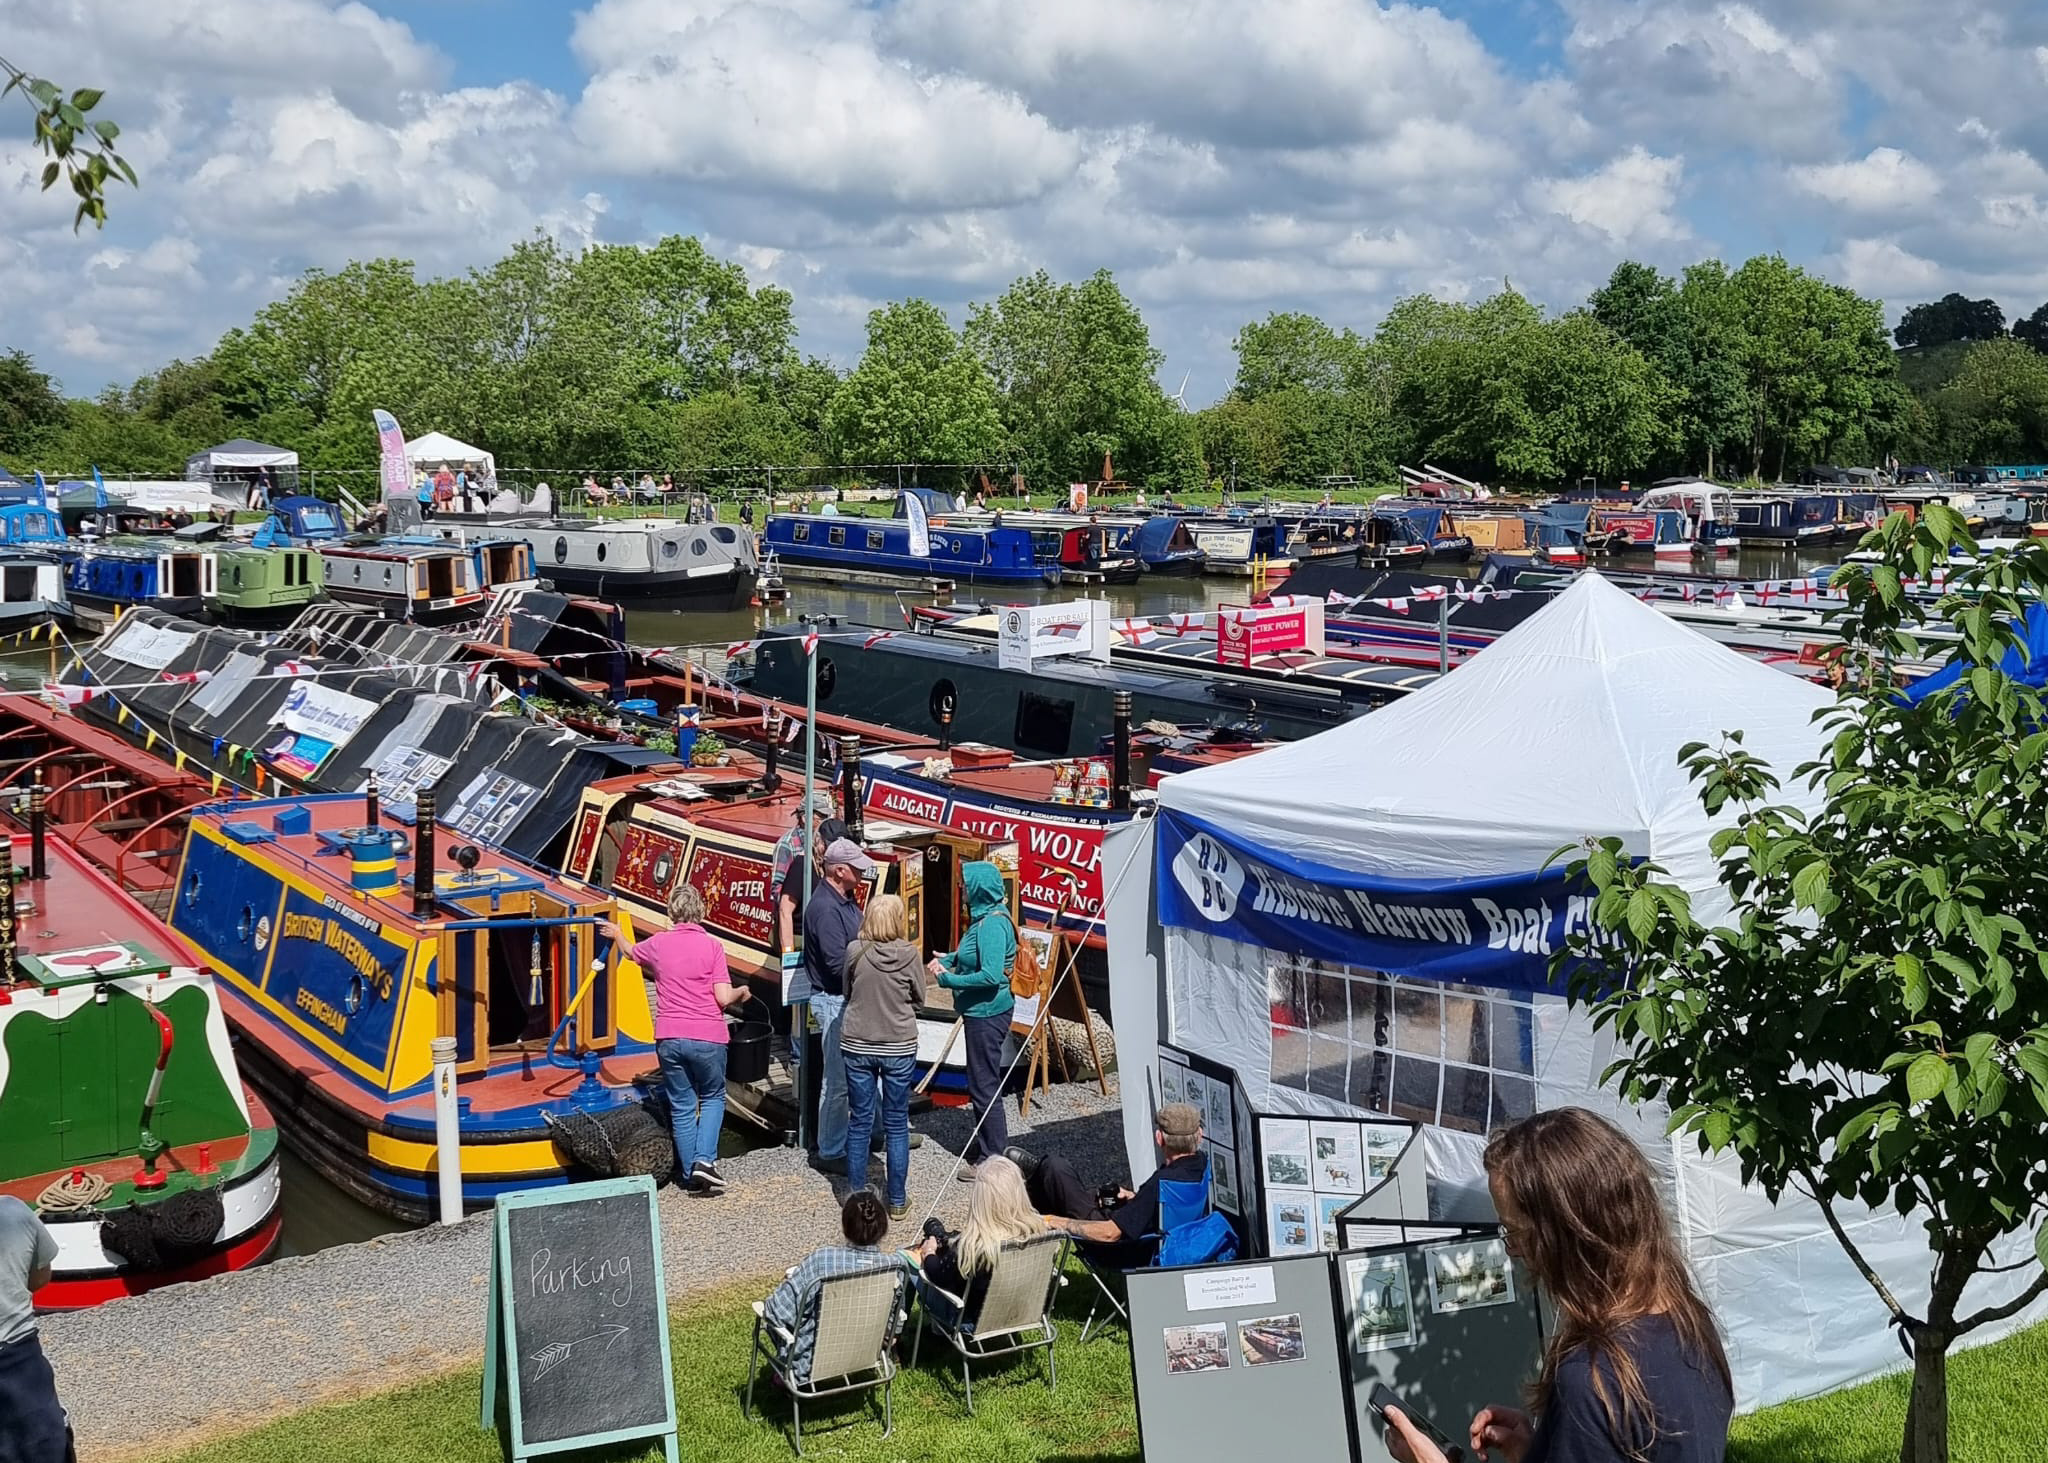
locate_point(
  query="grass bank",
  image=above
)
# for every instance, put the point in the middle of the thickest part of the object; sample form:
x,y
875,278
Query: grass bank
x,y
1999,1403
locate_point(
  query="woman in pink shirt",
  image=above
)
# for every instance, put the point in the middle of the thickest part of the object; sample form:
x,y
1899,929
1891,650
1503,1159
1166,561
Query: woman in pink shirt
x,y
692,989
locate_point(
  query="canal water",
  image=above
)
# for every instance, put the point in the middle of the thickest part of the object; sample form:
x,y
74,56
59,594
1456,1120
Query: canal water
x,y
317,1215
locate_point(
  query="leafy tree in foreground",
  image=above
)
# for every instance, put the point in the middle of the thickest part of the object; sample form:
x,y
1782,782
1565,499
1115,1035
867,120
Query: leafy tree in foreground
x,y
77,146
1872,1026
918,394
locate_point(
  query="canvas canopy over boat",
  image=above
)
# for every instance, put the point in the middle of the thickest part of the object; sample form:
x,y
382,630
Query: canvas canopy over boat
x,y
1361,923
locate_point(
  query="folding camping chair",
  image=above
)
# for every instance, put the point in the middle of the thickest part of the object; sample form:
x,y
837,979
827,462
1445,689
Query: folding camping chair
x,y
854,1319
1182,1206
1015,1315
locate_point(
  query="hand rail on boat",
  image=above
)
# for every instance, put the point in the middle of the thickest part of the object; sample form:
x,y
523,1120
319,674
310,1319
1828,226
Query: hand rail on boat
x,y
121,856
64,787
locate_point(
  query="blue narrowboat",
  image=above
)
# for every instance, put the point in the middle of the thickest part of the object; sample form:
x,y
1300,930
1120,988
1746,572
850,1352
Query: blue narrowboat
x,y
1162,545
163,574
1434,523
990,555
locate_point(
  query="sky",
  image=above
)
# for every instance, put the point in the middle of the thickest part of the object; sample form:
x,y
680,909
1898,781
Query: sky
x,y
1224,158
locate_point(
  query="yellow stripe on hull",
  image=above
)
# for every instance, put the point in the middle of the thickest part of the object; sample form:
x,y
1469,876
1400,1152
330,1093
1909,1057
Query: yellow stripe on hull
x,y
479,1160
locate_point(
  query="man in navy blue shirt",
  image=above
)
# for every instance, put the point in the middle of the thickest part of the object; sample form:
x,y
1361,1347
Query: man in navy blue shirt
x,y
831,923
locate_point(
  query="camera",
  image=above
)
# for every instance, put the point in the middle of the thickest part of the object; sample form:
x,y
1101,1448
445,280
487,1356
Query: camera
x,y
935,1228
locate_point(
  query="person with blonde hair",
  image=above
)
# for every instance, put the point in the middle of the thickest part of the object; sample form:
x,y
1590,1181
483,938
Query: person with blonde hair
x,y
999,1212
1633,1370
878,1039
693,987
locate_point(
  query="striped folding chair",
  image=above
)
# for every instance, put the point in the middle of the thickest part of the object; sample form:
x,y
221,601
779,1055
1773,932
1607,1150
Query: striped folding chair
x,y
854,1320
1015,1315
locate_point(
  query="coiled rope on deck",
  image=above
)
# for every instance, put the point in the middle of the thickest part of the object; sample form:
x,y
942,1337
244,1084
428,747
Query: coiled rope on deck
x,y
76,1191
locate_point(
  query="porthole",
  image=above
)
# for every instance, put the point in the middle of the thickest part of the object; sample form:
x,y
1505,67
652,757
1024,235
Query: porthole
x,y
828,677
192,887
699,547
246,925
670,548
725,535
600,553
561,550
387,573
945,701
359,573
237,579
352,1001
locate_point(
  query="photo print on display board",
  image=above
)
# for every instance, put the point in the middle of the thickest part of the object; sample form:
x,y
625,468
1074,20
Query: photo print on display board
x,y
1291,1222
1172,1080
1271,1339
1466,1275
1196,1348
1247,1150
1194,1090
1339,1165
1382,1311
1328,1207
1216,1111
1223,1178
1285,1141
1383,1144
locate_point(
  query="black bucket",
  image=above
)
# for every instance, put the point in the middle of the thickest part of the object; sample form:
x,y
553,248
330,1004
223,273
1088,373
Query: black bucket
x,y
746,1050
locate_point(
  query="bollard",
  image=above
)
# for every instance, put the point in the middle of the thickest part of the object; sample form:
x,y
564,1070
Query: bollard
x,y
447,1129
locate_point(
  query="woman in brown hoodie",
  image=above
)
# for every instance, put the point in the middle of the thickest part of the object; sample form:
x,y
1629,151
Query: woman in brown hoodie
x,y
878,1036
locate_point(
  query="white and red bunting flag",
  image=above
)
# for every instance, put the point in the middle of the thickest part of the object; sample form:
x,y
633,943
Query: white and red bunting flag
x,y
873,640
811,642
187,677
738,647
291,669
1398,606
1689,593
1334,598
69,695
474,669
1430,593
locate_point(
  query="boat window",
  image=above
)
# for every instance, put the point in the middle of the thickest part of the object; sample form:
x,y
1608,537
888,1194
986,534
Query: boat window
x,y
699,547
561,549
237,576
724,535
352,1002
600,551
828,677
801,533
359,573
1044,723
836,537
874,538
246,925
192,887
670,548
387,573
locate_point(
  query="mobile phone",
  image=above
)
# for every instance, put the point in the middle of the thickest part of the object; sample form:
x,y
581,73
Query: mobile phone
x,y
1383,1397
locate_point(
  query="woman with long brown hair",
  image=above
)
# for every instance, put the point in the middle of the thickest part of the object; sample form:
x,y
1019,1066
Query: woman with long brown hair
x,y
1634,1371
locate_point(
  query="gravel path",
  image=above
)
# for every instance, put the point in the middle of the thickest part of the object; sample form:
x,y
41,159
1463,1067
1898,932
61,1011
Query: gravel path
x,y
165,1371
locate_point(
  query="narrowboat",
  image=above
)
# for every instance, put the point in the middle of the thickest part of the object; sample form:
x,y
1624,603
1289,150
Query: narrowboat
x,y
123,1117
267,586
975,555
646,563
1162,545
1772,519
345,949
123,574
1664,532
1239,544
421,581
1084,551
496,564
1707,511
1434,525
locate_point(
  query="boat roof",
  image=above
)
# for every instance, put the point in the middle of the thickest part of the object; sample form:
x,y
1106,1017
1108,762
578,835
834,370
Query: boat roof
x,y
440,549
78,908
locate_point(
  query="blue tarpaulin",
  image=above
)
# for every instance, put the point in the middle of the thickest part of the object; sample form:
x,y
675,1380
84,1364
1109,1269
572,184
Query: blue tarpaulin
x,y
2026,663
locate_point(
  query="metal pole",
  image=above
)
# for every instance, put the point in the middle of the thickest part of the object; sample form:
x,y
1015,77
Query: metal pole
x,y
1443,633
38,831
447,1129
1120,774
423,851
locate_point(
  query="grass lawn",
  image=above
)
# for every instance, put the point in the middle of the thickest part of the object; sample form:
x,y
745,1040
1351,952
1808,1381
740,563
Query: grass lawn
x,y
1998,1403
1016,1417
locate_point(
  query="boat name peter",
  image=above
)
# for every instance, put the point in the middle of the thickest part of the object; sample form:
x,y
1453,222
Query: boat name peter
x,y
544,1277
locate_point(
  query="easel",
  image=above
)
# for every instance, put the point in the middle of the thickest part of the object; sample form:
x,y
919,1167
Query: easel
x,y
1060,995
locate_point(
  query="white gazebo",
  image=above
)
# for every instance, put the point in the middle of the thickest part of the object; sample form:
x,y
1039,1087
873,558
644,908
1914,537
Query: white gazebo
x,y
436,448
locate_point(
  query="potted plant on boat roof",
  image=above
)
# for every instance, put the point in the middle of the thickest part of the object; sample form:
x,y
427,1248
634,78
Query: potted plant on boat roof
x,y
709,751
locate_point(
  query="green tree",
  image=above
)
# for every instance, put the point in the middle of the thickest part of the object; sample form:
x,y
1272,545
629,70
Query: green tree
x,y
78,147
31,409
1952,317
1812,355
1074,367
1995,408
1871,1023
1687,332
1294,351
2033,329
918,395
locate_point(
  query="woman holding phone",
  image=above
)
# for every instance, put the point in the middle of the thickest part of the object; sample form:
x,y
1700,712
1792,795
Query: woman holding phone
x,y
1634,1371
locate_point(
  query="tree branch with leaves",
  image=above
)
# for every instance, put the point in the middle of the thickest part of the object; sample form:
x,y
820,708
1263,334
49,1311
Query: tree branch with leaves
x,y
1871,1025
78,147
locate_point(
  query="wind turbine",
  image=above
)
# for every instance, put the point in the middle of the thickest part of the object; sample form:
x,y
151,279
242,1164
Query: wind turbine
x,y
1180,397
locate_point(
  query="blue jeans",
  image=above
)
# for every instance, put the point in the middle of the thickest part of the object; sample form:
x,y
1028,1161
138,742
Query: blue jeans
x,y
693,1072
831,1135
865,1076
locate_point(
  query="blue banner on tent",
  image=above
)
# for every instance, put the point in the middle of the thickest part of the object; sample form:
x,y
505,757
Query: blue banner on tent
x,y
1500,930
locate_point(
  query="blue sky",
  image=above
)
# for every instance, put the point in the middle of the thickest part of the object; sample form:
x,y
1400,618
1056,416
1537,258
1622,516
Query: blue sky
x,y
1225,160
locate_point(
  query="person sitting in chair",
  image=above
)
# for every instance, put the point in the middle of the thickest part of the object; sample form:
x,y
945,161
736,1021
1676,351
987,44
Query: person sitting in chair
x,y
999,1212
863,1220
1117,1223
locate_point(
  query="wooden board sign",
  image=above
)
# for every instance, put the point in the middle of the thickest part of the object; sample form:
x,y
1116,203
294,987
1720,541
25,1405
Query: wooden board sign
x,y
578,1347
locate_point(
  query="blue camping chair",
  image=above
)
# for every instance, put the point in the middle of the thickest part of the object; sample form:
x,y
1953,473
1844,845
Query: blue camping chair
x,y
1191,1232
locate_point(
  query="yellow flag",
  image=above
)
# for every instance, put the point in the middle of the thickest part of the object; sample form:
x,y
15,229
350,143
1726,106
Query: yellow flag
x,y
149,741
216,784
178,759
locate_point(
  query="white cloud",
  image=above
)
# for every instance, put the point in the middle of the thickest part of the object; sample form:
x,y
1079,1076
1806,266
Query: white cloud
x,y
1881,267
1884,180
1629,199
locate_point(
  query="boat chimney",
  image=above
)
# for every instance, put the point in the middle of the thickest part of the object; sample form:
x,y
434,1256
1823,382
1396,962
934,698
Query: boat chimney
x,y
38,831
1120,742
423,855
945,721
771,776
373,810
7,918
849,771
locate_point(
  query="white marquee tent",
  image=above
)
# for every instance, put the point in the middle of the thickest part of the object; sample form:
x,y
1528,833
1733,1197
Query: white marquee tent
x,y
435,448
1357,923
234,461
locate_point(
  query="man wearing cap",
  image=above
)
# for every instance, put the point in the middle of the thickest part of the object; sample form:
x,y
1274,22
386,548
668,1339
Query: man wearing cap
x,y
831,923
1070,1205
791,852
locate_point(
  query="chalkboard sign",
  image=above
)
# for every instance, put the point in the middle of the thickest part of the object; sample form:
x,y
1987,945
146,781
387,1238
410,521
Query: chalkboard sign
x,y
578,1342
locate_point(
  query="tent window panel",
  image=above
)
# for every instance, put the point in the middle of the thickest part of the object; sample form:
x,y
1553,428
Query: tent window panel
x,y
1415,1089
1372,1073
1514,1048
1514,1098
1465,1100
1328,1068
1287,991
1465,1030
1372,1013
1418,1021
1328,1001
1290,1058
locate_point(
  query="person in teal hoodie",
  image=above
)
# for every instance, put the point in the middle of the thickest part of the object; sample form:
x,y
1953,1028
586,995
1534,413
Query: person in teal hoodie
x,y
979,975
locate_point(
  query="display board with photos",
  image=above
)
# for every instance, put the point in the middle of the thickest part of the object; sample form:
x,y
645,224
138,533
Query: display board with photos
x,y
1311,1171
1212,1088
1449,1325
1218,1352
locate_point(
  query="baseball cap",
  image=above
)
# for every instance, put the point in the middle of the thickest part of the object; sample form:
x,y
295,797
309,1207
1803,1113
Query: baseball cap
x,y
1180,1120
846,851
817,804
